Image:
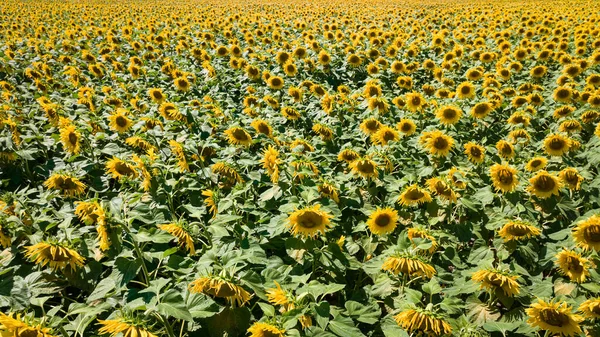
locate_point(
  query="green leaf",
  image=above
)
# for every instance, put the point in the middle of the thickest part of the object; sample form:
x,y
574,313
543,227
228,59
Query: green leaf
x,y
363,313
344,327
172,305
104,287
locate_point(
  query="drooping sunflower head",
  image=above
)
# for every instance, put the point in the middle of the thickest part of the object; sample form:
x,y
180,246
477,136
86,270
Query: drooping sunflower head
x,y
457,177
15,325
364,167
415,233
556,317
518,230
573,265
309,221
238,136
290,113
261,329
587,233
590,308
278,296
119,168
494,280
413,195
536,164
449,114
441,188
407,127
475,152
66,183
571,178
182,233
504,177
347,155
384,135
262,126
505,149
328,190
57,255
127,327
271,163
544,185
210,201
227,172
383,221
556,145
409,264
423,321
221,287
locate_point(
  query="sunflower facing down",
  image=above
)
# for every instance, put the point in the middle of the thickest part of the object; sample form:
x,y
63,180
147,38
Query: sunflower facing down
x,y
238,136
571,178
423,321
17,327
210,201
309,221
556,317
271,163
227,172
262,126
475,152
120,169
409,264
587,233
56,255
422,233
573,265
505,149
590,308
347,155
544,185
260,329
182,234
278,296
364,167
383,221
221,288
494,280
440,188
518,230
116,326
413,195
329,191
504,177
66,183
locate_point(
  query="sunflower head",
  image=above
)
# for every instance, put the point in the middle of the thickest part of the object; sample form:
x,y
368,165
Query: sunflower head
x,y
544,185
67,184
309,221
407,127
364,167
57,255
11,325
278,296
587,233
536,164
571,178
370,126
449,114
70,139
383,221
422,233
220,287
504,177
409,264
518,230
238,136
119,121
261,329
441,188
573,265
423,322
555,317
347,155
590,308
475,152
127,327
119,168
182,233
438,143
494,280
556,145
384,135
505,149
413,195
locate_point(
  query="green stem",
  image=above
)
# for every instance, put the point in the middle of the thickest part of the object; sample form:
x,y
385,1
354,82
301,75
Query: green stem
x,y
165,322
136,247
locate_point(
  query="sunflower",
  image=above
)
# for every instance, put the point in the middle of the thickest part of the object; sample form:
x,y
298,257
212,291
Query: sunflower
x,y
556,145
370,126
407,127
227,171
518,230
296,94
210,201
413,195
505,149
170,112
556,317
465,90
182,84
328,190
544,185
384,135
423,321
569,126
70,137
17,327
438,143
260,329
347,155
494,280
440,188
563,111
587,233
408,264
354,60
573,265
221,288
323,131
449,114
383,221
364,167
271,163
121,326
519,117
66,183
156,95
590,308
278,296
571,178
562,94
182,234
481,110
504,177
422,233
475,152
120,169
290,113
379,103
301,146
90,212
275,82
56,255
119,121
309,221
238,136
177,150
414,101
536,164
262,126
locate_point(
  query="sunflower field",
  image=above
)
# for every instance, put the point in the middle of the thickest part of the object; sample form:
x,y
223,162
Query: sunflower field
x,y
294,168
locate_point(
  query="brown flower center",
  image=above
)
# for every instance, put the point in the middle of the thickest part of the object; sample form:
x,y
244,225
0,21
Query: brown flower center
x,y
592,233
383,220
544,183
553,317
